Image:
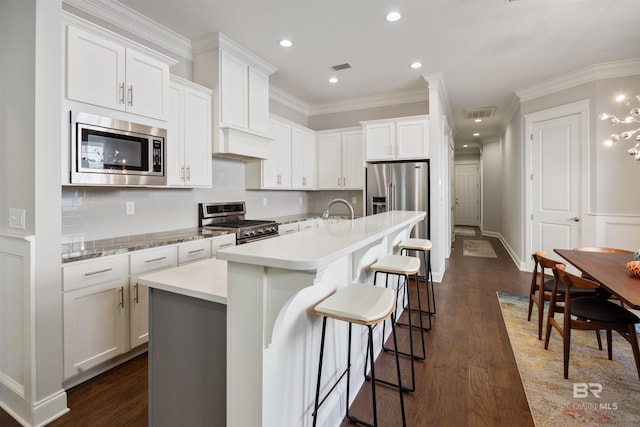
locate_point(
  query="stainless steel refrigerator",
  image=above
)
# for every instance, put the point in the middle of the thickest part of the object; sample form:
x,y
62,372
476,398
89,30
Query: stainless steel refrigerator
x,y
400,186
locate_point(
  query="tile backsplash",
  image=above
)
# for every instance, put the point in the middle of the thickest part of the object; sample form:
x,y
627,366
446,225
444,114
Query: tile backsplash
x,y
91,213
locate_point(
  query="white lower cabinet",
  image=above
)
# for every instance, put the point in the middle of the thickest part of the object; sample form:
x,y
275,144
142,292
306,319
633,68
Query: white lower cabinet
x,y
105,310
143,262
95,312
288,228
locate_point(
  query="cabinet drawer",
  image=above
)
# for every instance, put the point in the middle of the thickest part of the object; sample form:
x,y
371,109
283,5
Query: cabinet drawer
x,y
82,274
307,224
222,242
153,259
192,251
288,228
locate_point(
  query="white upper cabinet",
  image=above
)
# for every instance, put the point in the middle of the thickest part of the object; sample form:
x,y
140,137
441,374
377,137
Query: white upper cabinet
x,y
340,160
274,172
108,73
189,135
304,159
396,139
240,80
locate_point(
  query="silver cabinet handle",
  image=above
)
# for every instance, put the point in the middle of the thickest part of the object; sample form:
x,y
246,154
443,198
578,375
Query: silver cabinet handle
x,y
121,295
344,181
226,245
135,290
574,219
304,180
195,251
156,259
122,93
188,173
131,95
98,272
338,181
182,174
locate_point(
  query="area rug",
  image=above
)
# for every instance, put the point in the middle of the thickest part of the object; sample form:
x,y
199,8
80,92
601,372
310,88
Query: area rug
x,y
480,248
599,392
464,231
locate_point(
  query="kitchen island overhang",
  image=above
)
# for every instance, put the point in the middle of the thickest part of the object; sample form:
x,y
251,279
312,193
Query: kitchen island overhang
x,y
272,331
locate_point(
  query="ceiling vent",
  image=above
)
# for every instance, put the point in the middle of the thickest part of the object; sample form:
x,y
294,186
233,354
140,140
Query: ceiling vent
x,y
479,113
339,67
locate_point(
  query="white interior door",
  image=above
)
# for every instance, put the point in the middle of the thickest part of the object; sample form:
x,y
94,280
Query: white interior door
x,y
467,195
555,183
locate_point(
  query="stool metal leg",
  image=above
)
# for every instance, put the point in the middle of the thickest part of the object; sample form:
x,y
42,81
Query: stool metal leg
x,y
317,404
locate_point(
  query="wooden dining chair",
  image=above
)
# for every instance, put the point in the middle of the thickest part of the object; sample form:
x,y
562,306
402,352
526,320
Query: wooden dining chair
x,y
542,285
589,313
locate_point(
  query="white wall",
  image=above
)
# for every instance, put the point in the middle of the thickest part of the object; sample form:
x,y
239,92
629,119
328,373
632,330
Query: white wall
x,y
30,125
492,185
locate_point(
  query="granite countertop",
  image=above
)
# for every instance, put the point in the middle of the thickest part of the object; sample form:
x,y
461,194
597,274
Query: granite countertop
x,y
77,251
305,216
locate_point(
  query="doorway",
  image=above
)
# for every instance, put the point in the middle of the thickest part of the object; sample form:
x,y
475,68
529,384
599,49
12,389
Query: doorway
x,y
554,165
467,202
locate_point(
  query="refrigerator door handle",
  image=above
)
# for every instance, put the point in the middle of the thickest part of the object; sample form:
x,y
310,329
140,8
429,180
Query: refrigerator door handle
x,y
390,198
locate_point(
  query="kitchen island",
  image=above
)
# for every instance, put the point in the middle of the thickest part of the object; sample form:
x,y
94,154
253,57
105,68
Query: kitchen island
x,y
273,334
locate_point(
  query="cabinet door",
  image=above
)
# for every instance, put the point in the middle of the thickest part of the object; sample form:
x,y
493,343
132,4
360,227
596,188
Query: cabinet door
x,y
412,139
95,325
197,138
380,141
147,85
258,101
276,170
353,170
138,314
288,228
304,159
233,91
95,70
175,133
329,157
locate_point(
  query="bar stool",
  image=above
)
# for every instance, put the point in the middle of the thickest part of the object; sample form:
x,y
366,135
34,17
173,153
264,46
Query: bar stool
x,y
364,305
402,266
423,246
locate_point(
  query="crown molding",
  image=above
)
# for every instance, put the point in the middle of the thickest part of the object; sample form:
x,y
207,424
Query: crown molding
x,y
374,101
589,74
129,20
288,100
220,41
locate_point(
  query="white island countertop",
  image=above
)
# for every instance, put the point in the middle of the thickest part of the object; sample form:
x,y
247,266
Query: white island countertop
x,y
314,248
206,280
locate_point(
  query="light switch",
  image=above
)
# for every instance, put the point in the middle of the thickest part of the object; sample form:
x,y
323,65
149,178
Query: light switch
x,y
17,218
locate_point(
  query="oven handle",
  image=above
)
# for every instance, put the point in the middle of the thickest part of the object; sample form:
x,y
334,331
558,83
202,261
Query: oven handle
x,y
255,239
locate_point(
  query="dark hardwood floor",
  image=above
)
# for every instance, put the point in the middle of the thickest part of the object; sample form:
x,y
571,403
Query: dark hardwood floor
x,y
469,377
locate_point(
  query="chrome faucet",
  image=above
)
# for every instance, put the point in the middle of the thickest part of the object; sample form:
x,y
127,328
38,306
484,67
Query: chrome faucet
x,y
325,214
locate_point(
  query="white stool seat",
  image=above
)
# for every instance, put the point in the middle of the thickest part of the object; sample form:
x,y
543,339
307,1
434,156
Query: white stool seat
x,y
359,303
416,244
397,264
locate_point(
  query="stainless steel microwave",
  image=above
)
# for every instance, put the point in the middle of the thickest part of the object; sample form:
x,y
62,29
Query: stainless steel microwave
x,y
106,151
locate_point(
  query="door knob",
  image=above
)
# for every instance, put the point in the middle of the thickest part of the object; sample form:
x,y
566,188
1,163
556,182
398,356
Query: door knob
x,y
574,219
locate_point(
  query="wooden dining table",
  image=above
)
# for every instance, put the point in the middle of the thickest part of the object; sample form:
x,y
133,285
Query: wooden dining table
x,y
609,270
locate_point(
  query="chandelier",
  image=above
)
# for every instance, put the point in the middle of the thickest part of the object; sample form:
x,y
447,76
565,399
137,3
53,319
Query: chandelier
x,y
634,117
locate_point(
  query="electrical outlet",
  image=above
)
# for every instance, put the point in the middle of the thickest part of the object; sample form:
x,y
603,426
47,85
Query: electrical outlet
x,y
354,200
264,201
300,200
17,218
130,208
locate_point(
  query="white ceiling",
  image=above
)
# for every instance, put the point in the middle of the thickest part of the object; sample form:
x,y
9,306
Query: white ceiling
x,y
485,50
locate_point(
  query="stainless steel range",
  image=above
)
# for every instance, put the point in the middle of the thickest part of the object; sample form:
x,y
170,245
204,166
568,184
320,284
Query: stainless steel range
x,y
229,216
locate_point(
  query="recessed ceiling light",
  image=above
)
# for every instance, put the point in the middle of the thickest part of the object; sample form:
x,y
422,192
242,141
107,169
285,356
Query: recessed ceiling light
x,y
476,134
333,80
393,16
465,146
416,64
286,43
477,120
